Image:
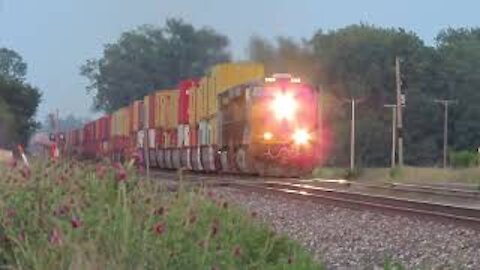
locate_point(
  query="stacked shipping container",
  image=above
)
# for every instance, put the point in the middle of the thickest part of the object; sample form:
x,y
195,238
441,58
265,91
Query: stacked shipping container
x,y
174,118
203,102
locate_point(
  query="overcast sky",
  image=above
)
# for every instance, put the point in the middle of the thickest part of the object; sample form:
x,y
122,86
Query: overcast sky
x,y
56,36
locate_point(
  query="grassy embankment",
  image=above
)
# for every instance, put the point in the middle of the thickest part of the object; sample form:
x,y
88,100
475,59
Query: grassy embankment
x,y
406,174
75,216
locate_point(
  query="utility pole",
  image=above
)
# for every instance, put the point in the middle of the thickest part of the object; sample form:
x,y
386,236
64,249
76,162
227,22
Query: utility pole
x,y
352,137
399,111
394,133
445,103
353,103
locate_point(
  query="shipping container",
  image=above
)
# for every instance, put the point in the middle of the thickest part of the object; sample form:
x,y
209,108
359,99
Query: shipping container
x,y
169,138
193,131
203,133
222,77
229,75
212,131
121,122
149,103
185,88
166,112
137,114
200,101
183,135
192,104
226,76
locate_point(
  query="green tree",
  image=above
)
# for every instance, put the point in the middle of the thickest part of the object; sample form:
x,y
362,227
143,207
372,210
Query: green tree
x,y
152,58
459,51
18,100
358,62
12,65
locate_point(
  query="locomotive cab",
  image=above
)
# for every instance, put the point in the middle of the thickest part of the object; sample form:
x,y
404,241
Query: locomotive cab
x,y
270,125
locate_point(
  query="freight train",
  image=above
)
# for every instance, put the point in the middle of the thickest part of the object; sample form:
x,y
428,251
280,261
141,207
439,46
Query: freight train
x,y
233,120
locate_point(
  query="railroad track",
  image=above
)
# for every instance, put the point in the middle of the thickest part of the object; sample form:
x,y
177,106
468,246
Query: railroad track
x,y
440,191
448,212
407,187
306,189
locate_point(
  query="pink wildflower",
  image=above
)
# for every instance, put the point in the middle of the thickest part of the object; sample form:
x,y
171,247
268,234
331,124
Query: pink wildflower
x,y
237,252
55,238
76,222
25,172
159,228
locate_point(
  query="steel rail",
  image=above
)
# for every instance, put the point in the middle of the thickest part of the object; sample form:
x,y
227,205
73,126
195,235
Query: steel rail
x,y
448,212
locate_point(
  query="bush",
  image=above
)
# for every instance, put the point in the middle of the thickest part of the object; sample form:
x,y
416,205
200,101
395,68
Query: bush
x,y
463,159
75,216
395,173
353,174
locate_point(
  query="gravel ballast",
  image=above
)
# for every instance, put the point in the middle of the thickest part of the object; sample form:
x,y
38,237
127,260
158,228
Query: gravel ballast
x,y
346,238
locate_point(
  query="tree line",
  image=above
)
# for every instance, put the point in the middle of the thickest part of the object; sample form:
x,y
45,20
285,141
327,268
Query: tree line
x,y
18,101
356,61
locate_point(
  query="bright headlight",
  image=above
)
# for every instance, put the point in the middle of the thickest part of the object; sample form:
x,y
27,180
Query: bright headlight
x,y
301,136
284,106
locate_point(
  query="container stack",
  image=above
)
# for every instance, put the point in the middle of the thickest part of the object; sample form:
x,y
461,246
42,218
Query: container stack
x,y
149,103
186,89
203,101
166,109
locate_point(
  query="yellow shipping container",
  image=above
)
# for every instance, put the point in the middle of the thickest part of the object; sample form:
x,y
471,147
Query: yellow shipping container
x,y
212,128
120,122
127,122
136,116
203,99
232,74
196,103
192,105
166,112
226,76
146,110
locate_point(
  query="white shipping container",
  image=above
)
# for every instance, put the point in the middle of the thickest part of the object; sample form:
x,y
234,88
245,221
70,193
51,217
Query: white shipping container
x,y
203,133
180,136
186,135
183,135
140,138
151,138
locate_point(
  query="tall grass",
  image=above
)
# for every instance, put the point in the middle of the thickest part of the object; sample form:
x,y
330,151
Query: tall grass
x,y
69,215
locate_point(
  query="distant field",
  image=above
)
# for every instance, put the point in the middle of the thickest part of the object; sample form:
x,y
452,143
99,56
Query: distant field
x,y
406,174
74,216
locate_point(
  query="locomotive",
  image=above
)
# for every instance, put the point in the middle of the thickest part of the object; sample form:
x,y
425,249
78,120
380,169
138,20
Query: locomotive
x,y
233,120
